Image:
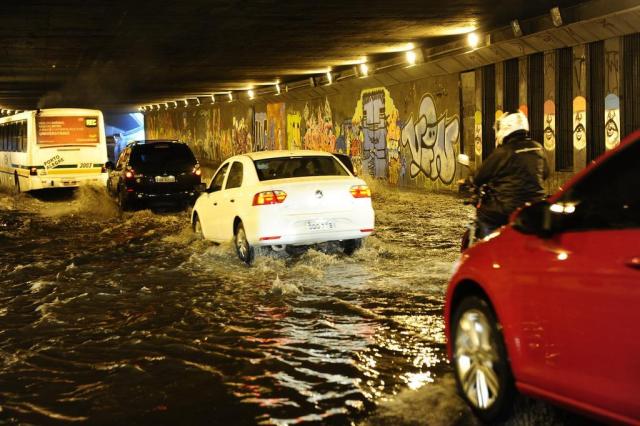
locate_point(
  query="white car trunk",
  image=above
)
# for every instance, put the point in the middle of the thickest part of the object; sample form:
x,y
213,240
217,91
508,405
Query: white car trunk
x,y
315,195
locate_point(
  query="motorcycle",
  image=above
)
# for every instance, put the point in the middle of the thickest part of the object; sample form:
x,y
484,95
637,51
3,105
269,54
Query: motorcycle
x,y
476,196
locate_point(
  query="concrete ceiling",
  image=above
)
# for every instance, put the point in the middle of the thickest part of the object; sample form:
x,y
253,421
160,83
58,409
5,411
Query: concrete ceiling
x,y
117,54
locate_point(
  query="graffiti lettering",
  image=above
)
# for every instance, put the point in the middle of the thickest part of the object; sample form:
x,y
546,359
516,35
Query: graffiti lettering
x,y
432,142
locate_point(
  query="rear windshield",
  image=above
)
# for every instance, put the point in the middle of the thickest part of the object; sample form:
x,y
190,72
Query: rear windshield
x,y
162,154
288,167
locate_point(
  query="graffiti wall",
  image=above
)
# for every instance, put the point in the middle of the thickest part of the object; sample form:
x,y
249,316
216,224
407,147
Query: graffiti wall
x,y
407,134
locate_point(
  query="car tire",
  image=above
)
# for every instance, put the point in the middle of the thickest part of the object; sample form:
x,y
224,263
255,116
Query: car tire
x,y
16,184
123,201
350,246
480,362
245,252
197,227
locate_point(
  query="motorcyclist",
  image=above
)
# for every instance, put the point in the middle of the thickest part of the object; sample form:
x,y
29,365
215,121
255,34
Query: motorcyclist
x,y
513,173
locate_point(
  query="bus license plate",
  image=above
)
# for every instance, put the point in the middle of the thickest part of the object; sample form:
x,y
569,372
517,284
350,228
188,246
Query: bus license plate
x,y
321,225
165,179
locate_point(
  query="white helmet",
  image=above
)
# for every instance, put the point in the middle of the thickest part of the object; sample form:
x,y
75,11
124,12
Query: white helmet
x,y
510,123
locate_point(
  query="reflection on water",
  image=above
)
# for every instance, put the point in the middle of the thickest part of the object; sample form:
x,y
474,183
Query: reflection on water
x,y
113,318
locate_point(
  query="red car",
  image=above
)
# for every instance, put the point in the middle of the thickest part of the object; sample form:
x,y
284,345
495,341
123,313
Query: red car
x,y
550,305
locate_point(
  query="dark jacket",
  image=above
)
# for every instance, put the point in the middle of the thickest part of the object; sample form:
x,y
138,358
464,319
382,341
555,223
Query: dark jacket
x,y
514,173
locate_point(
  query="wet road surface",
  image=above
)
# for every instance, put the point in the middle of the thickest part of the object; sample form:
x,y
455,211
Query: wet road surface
x,y
127,318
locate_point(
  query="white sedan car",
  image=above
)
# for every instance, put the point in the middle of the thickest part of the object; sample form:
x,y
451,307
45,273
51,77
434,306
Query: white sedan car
x,y
281,198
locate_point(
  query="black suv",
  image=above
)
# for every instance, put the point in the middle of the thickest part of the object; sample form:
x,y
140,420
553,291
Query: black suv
x,y
154,171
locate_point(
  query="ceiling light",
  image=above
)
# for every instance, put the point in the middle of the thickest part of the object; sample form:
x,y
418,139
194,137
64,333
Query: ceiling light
x,y
186,103
411,57
197,101
277,88
473,40
515,27
251,93
556,18
329,77
364,70
230,96
213,98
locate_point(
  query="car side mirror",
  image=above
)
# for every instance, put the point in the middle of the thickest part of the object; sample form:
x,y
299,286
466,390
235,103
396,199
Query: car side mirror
x,y
109,165
533,219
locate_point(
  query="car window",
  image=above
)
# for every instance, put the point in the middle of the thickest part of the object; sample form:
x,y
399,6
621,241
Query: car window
x,y
160,154
608,197
288,167
235,176
218,179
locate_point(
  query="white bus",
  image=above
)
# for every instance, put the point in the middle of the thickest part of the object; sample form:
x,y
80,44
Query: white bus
x,y
52,148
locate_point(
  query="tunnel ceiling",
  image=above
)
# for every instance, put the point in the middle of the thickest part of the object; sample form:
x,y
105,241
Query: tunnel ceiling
x,y
110,54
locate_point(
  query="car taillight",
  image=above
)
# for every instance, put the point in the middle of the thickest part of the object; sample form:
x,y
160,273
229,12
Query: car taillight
x,y
33,171
129,174
360,191
269,197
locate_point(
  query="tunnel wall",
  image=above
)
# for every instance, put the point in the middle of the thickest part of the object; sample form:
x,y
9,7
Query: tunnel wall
x,y
410,133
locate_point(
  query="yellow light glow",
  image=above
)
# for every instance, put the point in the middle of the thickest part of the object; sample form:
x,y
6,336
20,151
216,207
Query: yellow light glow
x,y
411,57
251,93
230,97
473,40
278,88
329,77
563,255
364,70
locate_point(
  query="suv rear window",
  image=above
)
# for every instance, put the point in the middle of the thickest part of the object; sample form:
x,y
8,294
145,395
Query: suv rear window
x,y
288,167
161,154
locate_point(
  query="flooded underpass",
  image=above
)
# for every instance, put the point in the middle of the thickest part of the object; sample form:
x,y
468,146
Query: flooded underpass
x,y
127,318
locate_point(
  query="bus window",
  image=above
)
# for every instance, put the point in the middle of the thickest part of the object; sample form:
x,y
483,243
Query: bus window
x,y
23,137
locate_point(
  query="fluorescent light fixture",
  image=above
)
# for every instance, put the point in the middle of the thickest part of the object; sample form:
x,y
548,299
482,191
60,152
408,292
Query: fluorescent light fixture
x,y
329,77
411,57
556,17
277,88
364,70
515,27
213,98
230,96
251,93
473,40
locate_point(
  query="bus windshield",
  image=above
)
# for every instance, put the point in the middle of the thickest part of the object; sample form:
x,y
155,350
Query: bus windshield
x,y
68,130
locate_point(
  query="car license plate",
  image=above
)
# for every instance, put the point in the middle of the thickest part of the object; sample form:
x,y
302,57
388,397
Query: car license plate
x,y
321,225
165,179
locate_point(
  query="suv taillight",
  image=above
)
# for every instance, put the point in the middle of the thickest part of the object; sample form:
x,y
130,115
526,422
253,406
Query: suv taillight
x,y
269,197
360,191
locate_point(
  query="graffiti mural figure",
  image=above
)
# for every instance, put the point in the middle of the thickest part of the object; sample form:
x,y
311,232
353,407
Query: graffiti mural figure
x,y
294,140
374,128
260,131
579,121
432,142
612,121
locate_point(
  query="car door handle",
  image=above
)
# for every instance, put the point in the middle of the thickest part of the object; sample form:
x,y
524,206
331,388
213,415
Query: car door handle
x,y
633,263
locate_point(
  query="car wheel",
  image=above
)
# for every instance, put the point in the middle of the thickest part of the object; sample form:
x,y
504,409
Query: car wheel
x,y
350,246
16,186
123,201
245,252
482,371
197,227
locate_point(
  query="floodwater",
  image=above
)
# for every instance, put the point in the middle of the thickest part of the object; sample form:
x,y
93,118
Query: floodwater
x,y
116,318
